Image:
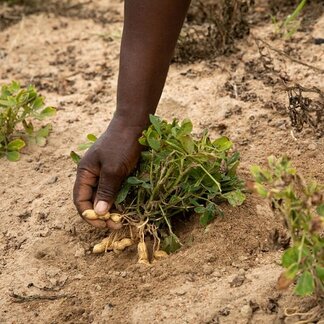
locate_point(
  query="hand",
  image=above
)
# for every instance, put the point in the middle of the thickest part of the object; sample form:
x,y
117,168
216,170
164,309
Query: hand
x,y
104,167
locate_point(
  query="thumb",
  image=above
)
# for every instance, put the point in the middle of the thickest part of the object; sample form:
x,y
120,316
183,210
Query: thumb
x,y
107,191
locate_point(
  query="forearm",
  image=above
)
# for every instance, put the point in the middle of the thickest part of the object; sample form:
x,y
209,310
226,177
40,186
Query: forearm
x,y
151,30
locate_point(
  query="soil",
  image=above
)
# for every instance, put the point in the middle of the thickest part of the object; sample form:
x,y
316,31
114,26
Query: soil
x,y
225,273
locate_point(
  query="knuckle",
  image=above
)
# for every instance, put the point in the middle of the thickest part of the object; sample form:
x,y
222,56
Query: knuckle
x,y
106,191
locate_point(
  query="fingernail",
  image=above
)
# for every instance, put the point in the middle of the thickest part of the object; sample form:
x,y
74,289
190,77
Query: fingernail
x,y
101,208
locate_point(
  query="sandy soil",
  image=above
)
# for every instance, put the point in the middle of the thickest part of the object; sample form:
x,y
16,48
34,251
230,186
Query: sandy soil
x,y
225,273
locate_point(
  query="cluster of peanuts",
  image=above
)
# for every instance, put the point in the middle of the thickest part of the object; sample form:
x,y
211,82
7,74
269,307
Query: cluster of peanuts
x,y
118,241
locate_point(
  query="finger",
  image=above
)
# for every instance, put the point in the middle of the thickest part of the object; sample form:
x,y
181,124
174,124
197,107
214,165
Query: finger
x,y
84,187
112,225
107,191
99,223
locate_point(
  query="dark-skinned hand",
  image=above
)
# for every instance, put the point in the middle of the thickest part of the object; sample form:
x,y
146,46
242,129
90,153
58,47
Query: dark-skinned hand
x,y
103,169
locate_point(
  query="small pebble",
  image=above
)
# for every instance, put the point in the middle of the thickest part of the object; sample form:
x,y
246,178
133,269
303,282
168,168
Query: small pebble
x,y
237,281
52,180
208,269
80,252
312,147
246,311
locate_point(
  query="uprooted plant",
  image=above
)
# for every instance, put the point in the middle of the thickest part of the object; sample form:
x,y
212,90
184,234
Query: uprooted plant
x,y
18,108
301,205
176,174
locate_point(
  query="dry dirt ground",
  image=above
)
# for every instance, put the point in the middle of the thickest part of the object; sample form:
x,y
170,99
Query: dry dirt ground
x,y
225,273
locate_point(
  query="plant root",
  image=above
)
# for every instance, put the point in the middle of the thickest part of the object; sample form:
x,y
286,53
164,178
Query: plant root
x,y
315,315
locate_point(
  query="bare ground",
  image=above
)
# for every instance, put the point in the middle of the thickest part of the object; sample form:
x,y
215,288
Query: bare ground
x,y
225,273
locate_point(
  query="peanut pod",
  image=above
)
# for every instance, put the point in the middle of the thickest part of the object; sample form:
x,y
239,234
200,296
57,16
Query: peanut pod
x,y
115,217
90,214
160,254
104,217
103,246
122,244
142,253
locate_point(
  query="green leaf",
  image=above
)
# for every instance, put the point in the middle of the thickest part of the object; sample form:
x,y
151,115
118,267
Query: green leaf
x,y
320,273
290,257
84,146
292,271
44,131
123,192
29,128
16,145
47,112
188,143
75,157
92,138
156,122
134,181
261,190
208,215
235,198
13,156
222,143
171,244
153,140
40,140
199,209
305,284
186,128
38,103
320,210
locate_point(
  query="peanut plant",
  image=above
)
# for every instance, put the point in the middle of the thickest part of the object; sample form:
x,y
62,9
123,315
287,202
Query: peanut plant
x,y
18,108
301,205
176,174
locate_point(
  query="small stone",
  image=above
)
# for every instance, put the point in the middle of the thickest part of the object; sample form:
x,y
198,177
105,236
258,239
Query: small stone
x,y
182,290
246,311
52,180
237,281
241,272
312,147
242,258
80,252
208,269
216,274
78,276
123,274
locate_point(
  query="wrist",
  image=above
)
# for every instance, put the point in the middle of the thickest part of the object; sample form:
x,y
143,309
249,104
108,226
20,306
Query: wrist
x,y
132,119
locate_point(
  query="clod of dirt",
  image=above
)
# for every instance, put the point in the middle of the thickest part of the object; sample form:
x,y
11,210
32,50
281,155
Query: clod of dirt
x,y
238,281
224,311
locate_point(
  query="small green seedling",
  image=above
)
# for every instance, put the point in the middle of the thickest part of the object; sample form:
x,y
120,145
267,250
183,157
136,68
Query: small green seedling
x,y
288,27
301,205
18,108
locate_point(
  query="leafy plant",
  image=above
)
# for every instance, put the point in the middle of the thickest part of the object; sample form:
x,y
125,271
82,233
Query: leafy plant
x,y
301,205
18,107
177,174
